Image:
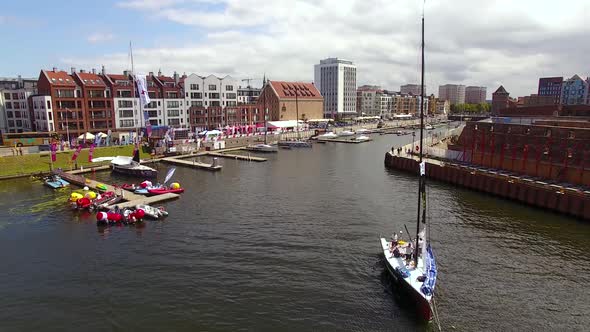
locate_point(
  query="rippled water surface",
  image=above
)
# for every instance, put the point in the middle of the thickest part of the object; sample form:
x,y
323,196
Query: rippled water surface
x,y
290,244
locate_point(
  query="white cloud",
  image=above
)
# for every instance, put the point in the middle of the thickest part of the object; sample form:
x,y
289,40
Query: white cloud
x,y
99,37
467,42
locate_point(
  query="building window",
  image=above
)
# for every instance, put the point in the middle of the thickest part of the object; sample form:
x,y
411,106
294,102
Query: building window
x,y
173,122
196,95
172,104
125,113
173,113
49,104
125,103
229,88
212,87
194,87
214,95
125,123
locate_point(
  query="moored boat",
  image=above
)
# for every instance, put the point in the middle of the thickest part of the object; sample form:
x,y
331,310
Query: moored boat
x,y
295,144
262,148
412,264
164,190
152,212
362,138
55,182
345,133
328,135
131,166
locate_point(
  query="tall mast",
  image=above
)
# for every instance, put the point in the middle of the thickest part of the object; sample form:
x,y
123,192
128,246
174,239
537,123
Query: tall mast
x,y
421,176
297,111
265,111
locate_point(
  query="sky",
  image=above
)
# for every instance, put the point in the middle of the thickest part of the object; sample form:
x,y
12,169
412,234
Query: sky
x,y
470,42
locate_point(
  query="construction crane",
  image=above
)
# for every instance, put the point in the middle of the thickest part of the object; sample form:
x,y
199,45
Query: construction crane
x,y
248,80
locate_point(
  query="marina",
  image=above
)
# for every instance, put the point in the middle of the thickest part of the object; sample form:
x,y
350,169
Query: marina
x,y
317,212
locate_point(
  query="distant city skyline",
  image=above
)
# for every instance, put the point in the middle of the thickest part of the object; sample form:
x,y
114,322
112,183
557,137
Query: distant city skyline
x,y
245,39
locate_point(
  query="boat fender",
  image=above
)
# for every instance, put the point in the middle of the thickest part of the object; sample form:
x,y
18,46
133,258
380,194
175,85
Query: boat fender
x,y
139,214
421,278
101,219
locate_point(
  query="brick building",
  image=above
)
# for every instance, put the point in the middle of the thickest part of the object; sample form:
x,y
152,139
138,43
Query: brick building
x,y
283,99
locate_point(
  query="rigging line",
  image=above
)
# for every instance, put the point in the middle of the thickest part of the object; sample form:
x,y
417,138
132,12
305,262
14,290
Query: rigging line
x,y
434,310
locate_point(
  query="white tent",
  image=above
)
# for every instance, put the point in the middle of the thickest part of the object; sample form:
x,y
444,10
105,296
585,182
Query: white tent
x,y
87,136
102,135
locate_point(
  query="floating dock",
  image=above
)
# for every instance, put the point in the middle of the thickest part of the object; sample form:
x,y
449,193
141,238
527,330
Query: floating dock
x,y
193,163
236,156
131,198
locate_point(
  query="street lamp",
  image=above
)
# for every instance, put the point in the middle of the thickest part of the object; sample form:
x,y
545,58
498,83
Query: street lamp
x,y
67,127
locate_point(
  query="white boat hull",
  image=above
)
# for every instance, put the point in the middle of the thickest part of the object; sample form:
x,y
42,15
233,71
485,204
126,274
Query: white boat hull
x,y
409,285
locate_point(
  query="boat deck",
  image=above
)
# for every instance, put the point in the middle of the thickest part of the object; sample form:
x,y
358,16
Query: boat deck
x,y
399,262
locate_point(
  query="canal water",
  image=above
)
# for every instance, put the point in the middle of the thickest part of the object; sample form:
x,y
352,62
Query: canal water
x,y
291,244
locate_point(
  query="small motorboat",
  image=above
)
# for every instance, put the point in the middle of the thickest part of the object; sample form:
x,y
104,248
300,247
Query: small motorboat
x,y
362,138
346,133
262,148
164,190
294,144
329,135
132,166
363,131
429,127
55,182
152,212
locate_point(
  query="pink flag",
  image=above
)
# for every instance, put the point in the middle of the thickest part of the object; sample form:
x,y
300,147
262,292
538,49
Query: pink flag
x,y
90,153
53,152
77,152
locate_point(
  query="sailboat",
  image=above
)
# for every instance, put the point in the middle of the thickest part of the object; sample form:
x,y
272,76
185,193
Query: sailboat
x,y
411,263
132,165
263,147
297,143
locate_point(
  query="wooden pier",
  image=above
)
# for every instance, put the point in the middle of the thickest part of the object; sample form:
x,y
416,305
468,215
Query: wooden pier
x,y
145,200
237,156
131,198
193,163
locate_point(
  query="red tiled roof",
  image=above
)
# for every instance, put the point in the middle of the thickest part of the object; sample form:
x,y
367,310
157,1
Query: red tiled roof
x,y
118,77
165,79
60,78
91,79
289,89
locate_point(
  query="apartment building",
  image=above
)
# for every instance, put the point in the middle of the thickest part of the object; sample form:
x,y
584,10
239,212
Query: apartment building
x,y
15,93
454,93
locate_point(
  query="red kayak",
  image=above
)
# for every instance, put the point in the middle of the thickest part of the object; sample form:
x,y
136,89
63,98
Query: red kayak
x,y
159,191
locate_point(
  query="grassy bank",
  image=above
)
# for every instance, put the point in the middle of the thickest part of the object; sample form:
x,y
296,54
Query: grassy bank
x,y
40,162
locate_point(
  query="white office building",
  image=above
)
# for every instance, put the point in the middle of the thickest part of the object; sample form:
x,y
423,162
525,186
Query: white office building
x,y
336,80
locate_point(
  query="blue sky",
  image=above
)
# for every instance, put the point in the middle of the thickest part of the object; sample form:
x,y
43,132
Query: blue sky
x,y
485,43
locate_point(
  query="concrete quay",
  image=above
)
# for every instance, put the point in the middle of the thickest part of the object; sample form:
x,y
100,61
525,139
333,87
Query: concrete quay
x,y
560,198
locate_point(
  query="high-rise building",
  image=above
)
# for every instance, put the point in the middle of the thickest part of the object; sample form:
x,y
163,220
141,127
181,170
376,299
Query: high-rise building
x,y
454,93
414,89
475,94
550,86
336,80
574,91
